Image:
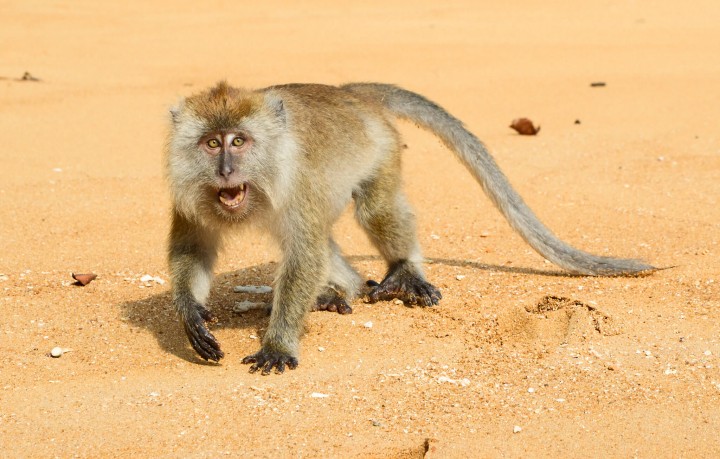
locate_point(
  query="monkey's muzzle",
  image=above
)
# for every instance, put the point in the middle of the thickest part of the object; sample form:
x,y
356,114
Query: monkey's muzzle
x,y
232,198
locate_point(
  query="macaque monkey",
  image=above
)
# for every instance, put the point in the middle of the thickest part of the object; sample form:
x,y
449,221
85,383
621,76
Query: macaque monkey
x,y
289,159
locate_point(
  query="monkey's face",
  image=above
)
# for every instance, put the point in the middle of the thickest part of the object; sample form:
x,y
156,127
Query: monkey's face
x,y
222,150
218,175
226,151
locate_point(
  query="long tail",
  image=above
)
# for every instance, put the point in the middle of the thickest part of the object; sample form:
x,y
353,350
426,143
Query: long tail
x,y
412,106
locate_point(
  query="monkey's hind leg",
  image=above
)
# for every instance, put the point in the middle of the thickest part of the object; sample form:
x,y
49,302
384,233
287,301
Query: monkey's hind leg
x,y
342,287
381,208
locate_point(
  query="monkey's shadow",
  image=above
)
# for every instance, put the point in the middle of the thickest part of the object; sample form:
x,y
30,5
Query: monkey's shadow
x,y
157,314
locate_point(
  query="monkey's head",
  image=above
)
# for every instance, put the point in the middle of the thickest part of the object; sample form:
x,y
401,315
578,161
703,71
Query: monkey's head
x,y
222,152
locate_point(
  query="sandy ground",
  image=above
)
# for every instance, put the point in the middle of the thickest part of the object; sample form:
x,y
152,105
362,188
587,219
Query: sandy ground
x,y
623,367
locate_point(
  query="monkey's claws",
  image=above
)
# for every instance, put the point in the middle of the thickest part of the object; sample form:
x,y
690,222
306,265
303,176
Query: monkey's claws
x,y
265,360
200,337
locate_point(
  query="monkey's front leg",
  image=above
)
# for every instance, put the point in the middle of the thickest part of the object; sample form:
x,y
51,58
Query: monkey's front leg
x,y
192,253
297,285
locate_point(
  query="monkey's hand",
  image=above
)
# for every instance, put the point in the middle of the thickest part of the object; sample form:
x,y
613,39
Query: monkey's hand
x,y
266,359
404,284
200,337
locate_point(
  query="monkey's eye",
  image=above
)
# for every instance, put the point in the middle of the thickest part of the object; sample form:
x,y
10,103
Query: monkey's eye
x,y
237,142
213,143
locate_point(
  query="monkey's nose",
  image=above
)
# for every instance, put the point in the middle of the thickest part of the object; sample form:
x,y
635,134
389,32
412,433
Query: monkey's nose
x,y
226,170
226,165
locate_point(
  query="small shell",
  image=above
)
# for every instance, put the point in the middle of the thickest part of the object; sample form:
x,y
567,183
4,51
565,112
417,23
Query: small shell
x,y
56,352
524,126
84,279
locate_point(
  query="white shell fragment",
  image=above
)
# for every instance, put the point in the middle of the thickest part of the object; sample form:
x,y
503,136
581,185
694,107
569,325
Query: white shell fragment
x,y
245,306
319,395
368,324
252,289
517,429
464,382
58,351
148,278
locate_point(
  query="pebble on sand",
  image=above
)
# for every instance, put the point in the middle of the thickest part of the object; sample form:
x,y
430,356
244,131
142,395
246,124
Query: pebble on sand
x,y
252,289
244,306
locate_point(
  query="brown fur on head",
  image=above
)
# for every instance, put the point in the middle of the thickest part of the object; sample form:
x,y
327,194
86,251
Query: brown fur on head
x,y
223,107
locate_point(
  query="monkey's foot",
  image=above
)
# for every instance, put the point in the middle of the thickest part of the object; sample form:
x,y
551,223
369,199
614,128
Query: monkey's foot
x,y
403,283
200,337
265,360
331,301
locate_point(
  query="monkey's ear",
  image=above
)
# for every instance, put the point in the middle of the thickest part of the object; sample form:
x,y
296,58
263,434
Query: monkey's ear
x,y
275,103
175,111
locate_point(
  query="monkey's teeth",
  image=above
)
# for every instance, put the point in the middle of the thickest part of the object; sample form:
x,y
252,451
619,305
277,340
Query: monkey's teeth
x,y
232,197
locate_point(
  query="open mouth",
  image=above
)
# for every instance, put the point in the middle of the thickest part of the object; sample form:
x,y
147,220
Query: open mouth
x,y
232,198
